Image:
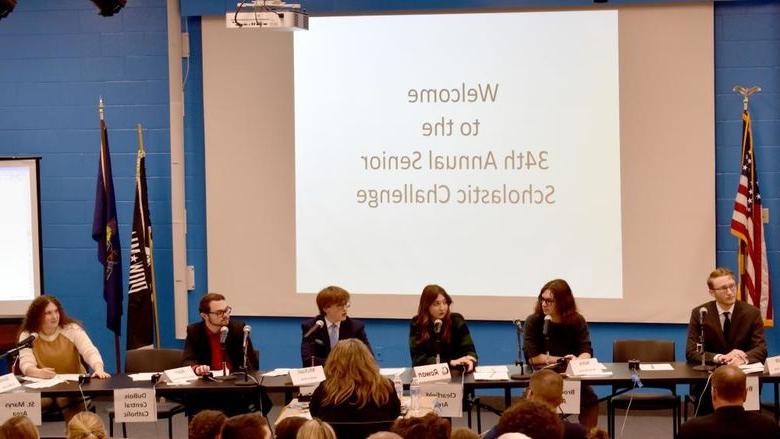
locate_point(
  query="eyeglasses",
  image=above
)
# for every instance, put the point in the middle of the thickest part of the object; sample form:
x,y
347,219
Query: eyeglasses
x,y
546,301
222,312
732,287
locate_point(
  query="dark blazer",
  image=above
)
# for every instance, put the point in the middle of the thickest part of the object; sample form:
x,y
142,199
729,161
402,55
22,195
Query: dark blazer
x,y
747,333
731,422
198,351
316,347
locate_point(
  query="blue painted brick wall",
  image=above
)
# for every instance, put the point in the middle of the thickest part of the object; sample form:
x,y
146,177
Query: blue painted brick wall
x,y
57,59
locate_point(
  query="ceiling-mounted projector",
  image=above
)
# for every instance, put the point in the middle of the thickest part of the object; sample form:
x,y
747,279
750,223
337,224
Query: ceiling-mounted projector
x,y
269,14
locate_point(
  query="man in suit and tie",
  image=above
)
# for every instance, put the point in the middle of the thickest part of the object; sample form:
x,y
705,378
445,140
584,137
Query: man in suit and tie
x,y
730,419
321,333
733,330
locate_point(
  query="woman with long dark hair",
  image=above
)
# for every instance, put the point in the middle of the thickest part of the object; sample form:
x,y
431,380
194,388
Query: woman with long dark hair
x,y
354,398
437,332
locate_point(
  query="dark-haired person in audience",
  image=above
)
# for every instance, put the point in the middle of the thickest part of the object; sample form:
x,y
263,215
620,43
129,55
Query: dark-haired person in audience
x,y
18,427
437,331
248,426
730,420
567,338
333,303
546,387
733,330
354,398
206,424
288,427
531,418
204,353
430,426
60,347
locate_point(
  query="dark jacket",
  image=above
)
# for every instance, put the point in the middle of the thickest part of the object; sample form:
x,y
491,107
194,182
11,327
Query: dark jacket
x,y
198,351
747,333
564,338
316,347
460,343
351,422
730,422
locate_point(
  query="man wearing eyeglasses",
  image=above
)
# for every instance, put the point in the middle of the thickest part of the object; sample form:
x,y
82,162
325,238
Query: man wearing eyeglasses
x,y
334,325
202,349
733,330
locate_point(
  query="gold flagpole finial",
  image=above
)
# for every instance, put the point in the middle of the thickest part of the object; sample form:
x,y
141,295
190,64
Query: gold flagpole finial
x,y
140,139
101,108
746,93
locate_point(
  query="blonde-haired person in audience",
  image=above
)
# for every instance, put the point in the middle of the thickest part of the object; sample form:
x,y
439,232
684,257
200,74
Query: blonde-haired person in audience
x,y
463,433
316,429
85,425
207,424
384,435
18,427
354,398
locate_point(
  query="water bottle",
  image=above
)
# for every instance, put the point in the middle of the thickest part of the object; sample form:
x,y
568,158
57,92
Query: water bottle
x,y
399,386
414,396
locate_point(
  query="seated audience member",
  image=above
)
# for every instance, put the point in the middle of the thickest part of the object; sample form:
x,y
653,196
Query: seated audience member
x,y
86,425
514,436
333,303
206,424
733,331
384,435
546,387
18,427
437,332
531,418
288,428
61,346
316,429
249,426
597,433
203,352
730,420
463,433
430,426
354,398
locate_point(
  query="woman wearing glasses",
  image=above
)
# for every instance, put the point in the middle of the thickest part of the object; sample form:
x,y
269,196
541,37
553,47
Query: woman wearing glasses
x,y
556,333
437,332
321,333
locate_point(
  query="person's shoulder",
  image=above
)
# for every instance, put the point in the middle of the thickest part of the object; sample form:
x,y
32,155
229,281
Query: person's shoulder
x,y
413,320
236,324
457,317
696,425
72,327
309,322
356,324
747,308
194,328
533,318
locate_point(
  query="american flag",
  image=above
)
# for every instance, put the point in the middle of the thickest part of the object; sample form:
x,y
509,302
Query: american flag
x,y
748,227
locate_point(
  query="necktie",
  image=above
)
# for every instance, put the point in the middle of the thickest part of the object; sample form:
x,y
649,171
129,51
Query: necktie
x,y
726,325
333,332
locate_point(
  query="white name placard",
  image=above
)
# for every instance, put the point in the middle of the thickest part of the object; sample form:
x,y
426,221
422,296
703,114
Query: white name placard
x,y
752,401
432,373
21,404
572,392
307,376
587,366
179,375
444,399
9,382
772,365
135,405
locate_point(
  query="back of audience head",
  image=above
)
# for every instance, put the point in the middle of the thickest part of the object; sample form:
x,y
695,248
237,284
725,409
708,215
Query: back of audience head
x,y
316,429
463,433
531,418
384,435
729,386
597,433
288,428
546,387
86,425
206,424
430,426
248,426
18,427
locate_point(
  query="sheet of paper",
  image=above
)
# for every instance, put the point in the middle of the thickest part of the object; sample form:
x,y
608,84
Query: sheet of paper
x,y
143,376
277,372
497,375
655,366
752,368
68,376
45,383
391,371
492,369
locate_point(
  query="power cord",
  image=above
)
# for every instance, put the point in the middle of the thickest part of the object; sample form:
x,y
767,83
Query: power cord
x,y
637,385
701,396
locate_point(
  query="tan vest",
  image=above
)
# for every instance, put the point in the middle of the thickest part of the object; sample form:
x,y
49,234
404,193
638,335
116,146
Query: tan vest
x,y
60,354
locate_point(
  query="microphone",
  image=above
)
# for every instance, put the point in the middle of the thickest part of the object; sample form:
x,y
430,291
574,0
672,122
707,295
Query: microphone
x,y
223,333
437,326
247,330
702,315
546,327
27,342
317,325
518,323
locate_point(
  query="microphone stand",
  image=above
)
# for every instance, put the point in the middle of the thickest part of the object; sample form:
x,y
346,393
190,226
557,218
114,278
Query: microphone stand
x,y
703,367
519,360
243,371
16,349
